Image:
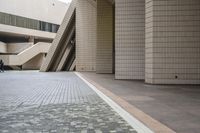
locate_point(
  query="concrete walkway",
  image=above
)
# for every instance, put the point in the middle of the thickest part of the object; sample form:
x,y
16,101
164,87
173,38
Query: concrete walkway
x,y
56,103
176,106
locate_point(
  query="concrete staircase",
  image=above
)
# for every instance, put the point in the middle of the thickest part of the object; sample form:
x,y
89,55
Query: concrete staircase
x,y
26,55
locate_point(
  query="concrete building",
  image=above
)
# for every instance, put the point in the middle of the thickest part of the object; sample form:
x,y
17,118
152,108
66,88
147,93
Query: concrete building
x,y
27,29
153,40
157,41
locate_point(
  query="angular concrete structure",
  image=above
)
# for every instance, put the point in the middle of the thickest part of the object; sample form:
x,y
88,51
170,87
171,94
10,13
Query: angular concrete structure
x,y
155,41
79,27
63,43
24,26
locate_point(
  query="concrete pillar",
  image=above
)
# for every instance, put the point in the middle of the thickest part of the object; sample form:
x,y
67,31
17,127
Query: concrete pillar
x,y
85,35
104,50
172,42
129,39
31,39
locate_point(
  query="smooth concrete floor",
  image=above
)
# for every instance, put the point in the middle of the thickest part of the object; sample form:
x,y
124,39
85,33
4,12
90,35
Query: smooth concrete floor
x,y
33,102
176,106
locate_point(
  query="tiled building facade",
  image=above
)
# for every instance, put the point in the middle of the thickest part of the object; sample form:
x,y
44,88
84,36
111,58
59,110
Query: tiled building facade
x,y
86,35
104,55
157,41
172,41
129,39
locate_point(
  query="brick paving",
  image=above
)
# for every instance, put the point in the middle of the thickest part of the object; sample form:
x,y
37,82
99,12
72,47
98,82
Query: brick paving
x,y
54,102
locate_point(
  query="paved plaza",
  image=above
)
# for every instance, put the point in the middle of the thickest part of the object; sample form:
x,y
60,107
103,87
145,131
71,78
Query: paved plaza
x,y
56,103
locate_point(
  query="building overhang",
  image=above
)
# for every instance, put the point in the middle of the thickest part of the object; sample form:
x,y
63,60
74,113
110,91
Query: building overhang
x,y
24,32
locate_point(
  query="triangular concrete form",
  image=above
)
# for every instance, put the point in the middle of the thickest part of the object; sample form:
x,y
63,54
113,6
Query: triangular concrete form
x,y
62,45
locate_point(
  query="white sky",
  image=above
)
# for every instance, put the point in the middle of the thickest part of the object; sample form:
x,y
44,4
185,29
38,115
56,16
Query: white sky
x,y
66,1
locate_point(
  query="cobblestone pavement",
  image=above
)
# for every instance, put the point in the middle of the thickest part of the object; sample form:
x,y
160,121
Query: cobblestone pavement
x,y
54,102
